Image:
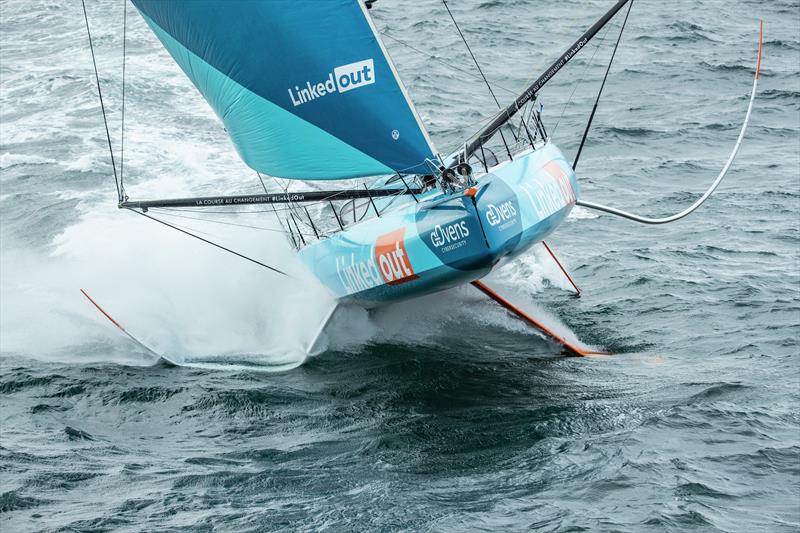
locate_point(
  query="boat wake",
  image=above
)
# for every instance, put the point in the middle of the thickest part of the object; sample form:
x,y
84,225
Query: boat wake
x,y
461,314
192,302
206,309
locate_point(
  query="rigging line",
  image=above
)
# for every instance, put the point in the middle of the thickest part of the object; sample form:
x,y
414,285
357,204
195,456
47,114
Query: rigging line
x,y
283,186
600,91
488,85
122,143
442,61
482,123
262,182
212,221
707,194
525,120
580,80
189,228
525,124
263,186
471,127
480,70
274,211
102,106
210,242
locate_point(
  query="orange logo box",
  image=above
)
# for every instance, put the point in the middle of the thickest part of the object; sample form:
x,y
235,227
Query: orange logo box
x,y
555,170
392,259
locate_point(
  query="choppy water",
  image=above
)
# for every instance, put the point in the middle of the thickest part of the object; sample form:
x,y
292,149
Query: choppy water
x,y
443,414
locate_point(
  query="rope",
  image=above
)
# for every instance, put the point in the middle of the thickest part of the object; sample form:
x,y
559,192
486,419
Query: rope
x,y
102,106
480,70
488,85
212,221
210,242
274,211
600,92
580,80
442,61
262,182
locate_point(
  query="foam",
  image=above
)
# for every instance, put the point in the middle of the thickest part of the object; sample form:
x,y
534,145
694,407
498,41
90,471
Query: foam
x,y
178,295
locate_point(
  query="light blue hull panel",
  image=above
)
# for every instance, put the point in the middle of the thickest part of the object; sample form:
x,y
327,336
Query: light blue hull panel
x,y
444,241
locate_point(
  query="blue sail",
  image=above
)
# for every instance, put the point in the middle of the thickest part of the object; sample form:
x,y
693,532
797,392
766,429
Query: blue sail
x,y
305,89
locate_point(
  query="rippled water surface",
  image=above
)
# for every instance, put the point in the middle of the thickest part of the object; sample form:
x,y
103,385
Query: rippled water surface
x,y
443,414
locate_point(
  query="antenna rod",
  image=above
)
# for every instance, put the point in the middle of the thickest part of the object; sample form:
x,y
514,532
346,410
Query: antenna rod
x,y
532,90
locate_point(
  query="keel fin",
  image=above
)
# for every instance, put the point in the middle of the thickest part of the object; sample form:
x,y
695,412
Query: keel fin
x,y
161,358
569,346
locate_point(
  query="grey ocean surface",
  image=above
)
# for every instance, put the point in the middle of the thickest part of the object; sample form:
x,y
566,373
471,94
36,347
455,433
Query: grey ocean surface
x,y
443,414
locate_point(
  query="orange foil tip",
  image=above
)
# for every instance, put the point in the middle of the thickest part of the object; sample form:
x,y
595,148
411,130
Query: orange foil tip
x,y
760,45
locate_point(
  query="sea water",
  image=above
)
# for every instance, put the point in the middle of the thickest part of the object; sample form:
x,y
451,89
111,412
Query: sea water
x,y
442,414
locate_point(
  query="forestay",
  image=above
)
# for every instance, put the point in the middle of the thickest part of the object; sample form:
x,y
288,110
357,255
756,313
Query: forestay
x,y
305,89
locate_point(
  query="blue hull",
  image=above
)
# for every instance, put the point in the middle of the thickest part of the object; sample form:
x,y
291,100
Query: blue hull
x,y
448,240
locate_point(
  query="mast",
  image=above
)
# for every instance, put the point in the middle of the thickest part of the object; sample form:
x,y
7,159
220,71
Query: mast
x,y
530,93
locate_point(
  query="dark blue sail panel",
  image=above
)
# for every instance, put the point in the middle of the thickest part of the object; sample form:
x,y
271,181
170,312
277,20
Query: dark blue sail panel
x,y
304,88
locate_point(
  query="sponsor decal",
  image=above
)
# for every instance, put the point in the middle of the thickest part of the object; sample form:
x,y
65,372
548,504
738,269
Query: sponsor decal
x,y
357,276
389,264
251,199
452,232
501,215
562,180
505,214
392,259
549,196
450,236
343,78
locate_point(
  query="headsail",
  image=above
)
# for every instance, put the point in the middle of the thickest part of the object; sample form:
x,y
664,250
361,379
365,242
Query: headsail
x,y
305,89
